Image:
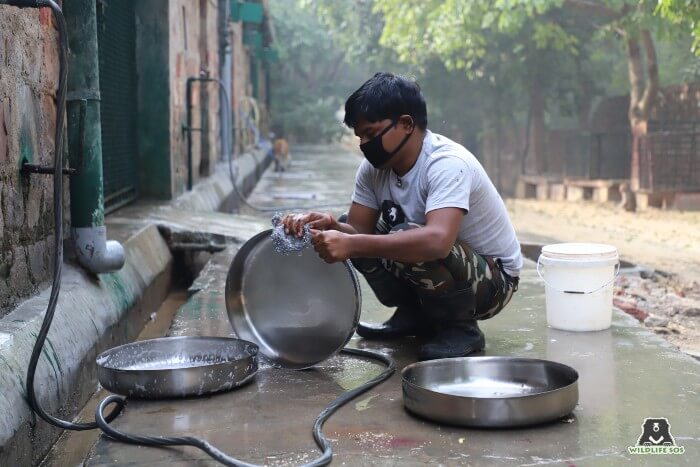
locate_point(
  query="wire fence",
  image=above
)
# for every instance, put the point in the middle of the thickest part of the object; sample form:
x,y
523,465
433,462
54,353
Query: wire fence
x,y
669,160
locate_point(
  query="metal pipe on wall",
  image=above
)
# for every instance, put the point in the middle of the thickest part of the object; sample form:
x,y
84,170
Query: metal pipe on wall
x,y
88,232
226,116
225,58
189,129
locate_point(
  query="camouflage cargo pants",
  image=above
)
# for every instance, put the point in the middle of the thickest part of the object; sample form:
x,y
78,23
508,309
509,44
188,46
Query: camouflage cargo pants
x,y
469,282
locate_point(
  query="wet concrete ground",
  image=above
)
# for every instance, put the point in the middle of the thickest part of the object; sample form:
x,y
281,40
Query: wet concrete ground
x,y
626,374
72,447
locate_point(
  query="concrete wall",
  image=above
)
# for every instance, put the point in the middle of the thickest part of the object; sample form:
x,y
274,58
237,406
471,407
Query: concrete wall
x,y
175,40
92,315
262,99
28,81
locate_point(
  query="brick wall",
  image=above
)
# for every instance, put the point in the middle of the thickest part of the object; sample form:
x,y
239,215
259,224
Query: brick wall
x,y
241,85
209,56
193,49
28,81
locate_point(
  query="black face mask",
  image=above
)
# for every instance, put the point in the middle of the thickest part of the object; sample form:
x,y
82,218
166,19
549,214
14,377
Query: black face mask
x,y
374,149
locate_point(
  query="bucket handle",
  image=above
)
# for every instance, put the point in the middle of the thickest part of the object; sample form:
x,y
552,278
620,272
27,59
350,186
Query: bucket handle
x,y
539,273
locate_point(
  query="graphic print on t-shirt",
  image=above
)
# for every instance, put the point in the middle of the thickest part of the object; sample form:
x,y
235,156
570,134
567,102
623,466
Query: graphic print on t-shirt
x,y
392,213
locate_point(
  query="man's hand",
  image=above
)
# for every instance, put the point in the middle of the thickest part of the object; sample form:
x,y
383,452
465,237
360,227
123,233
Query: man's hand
x,y
330,245
294,223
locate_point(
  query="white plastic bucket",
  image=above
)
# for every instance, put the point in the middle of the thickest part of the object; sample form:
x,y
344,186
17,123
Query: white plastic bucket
x,y
578,281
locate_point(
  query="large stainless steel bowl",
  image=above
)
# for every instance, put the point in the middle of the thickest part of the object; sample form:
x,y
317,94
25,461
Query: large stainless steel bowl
x,y
296,308
490,391
177,366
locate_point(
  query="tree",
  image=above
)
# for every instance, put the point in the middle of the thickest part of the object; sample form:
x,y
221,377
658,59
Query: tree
x,y
357,27
353,26
458,31
632,22
310,79
512,45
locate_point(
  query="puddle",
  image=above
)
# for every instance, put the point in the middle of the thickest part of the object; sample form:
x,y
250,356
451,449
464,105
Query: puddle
x,y
350,373
364,404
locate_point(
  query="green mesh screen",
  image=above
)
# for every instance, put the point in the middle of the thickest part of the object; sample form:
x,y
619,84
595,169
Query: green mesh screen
x,y
116,33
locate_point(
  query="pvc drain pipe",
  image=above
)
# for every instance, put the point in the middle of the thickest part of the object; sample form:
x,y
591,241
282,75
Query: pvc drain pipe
x,y
88,232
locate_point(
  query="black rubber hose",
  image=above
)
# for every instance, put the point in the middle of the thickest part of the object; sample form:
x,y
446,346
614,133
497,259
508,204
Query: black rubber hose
x,y
58,221
321,441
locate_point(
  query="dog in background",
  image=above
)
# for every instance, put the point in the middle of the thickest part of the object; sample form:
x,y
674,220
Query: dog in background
x,y
281,153
627,200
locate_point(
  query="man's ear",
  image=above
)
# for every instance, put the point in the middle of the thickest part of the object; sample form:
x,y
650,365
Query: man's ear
x,y
406,123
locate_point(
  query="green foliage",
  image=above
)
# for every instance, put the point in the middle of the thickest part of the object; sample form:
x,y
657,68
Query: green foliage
x,y
353,26
507,45
455,103
569,48
677,61
450,30
685,13
310,80
476,61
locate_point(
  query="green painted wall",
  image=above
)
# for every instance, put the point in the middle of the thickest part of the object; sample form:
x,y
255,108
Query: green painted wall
x,y
152,63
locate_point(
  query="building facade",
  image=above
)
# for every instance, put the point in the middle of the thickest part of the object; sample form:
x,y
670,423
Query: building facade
x,y
147,52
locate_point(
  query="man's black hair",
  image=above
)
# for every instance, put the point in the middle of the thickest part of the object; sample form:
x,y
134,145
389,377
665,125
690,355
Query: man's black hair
x,y
386,95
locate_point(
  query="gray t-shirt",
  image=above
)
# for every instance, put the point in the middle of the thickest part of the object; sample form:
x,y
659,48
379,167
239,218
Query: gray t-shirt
x,y
446,175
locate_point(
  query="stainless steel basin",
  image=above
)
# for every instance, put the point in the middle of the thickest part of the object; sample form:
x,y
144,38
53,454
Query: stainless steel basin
x,y
295,307
490,391
177,366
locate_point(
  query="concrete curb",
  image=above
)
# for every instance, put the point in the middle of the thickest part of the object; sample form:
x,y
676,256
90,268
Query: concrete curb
x,y
93,314
216,193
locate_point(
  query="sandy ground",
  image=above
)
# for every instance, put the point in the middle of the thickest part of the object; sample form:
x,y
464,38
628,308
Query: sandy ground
x,y
666,241
663,240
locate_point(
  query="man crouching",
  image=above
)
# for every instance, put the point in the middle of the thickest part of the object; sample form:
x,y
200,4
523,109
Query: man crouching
x,y
426,227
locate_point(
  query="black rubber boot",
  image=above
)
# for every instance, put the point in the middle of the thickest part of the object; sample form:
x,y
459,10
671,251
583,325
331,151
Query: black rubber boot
x,y
454,342
456,332
406,321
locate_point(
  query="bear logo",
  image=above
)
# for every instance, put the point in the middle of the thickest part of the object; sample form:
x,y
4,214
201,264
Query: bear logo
x,y
656,432
392,213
